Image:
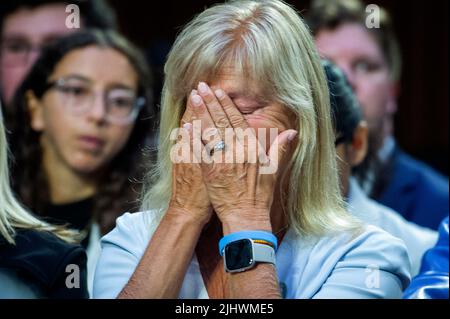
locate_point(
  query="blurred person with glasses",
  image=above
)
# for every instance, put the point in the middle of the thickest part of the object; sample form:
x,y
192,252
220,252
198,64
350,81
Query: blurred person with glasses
x,y
28,25
81,120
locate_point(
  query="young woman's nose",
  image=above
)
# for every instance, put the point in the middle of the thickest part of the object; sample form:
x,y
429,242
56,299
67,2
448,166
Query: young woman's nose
x,y
97,111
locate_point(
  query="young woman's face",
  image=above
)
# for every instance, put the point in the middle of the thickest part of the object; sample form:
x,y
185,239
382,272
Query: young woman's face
x,y
85,141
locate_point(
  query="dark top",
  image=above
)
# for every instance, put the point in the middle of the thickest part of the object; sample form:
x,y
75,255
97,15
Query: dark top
x,y
54,268
77,215
416,191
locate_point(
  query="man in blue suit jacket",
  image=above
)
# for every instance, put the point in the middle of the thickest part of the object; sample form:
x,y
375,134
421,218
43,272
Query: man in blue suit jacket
x,y
370,59
416,191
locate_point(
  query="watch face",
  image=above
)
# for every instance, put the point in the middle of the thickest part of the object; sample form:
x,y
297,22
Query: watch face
x,y
239,255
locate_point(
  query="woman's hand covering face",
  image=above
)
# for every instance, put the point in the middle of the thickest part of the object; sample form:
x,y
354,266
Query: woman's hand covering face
x,y
236,178
189,193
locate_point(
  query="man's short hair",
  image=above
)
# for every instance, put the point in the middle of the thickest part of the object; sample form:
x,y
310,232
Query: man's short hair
x,y
330,14
94,13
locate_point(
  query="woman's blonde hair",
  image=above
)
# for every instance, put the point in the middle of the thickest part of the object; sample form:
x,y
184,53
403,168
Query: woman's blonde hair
x,y
270,45
13,215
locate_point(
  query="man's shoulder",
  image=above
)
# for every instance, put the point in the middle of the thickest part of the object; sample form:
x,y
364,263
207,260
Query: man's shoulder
x,y
424,174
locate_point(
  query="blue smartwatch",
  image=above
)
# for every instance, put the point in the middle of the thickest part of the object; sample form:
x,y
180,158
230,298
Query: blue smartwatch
x,y
242,250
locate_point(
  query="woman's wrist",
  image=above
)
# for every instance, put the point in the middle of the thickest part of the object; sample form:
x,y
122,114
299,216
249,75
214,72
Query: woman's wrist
x,y
185,215
249,219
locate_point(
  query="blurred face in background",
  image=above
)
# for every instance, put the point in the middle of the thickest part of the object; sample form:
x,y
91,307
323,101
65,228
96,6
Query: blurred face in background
x,y
355,50
86,116
24,32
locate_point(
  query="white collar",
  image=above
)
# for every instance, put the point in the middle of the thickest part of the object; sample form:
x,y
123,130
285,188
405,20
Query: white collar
x,y
386,149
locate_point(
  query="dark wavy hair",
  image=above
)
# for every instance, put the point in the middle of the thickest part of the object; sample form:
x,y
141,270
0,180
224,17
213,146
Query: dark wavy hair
x,y
345,109
117,187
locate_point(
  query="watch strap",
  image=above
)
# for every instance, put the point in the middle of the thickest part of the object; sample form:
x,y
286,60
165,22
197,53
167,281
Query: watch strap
x,y
263,253
253,234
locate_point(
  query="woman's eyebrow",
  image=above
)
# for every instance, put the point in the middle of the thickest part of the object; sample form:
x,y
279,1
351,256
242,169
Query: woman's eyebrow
x,y
76,77
87,80
121,86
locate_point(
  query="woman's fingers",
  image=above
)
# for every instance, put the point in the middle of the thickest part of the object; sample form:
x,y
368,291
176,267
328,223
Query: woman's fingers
x,y
211,136
201,112
235,117
214,107
280,145
189,114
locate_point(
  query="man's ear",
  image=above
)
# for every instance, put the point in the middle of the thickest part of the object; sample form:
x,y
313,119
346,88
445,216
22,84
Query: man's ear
x,y
359,144
35,110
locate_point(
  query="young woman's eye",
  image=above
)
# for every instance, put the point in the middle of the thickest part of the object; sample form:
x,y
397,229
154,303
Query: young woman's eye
x,y
74,90
122,102
17,47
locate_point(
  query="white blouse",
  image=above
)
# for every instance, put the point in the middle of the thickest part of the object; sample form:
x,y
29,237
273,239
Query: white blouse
x,y
371,265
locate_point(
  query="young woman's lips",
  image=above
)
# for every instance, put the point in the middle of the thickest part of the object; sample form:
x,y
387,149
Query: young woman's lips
x,y
91,142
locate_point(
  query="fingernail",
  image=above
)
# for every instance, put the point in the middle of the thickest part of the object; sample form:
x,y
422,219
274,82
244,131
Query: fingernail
x,y
211,131
202,88
196,100
187,126
292,135
219,93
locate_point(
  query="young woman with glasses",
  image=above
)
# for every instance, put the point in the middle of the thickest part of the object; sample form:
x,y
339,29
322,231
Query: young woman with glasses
x,y
82,118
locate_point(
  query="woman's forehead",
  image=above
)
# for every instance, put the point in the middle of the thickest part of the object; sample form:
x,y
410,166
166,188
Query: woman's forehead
x,y
236,83
94,63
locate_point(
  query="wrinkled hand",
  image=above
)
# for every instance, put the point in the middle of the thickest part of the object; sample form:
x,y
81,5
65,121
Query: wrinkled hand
x,y
237,190
189,195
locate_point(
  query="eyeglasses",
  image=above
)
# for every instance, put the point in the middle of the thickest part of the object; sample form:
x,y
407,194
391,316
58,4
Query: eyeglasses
x,y
122,105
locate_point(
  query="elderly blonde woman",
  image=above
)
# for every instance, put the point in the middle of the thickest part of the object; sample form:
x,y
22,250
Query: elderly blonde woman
x,y
269,228
37,260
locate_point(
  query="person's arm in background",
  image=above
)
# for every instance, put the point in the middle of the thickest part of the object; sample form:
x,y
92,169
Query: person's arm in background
x,y
433,280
